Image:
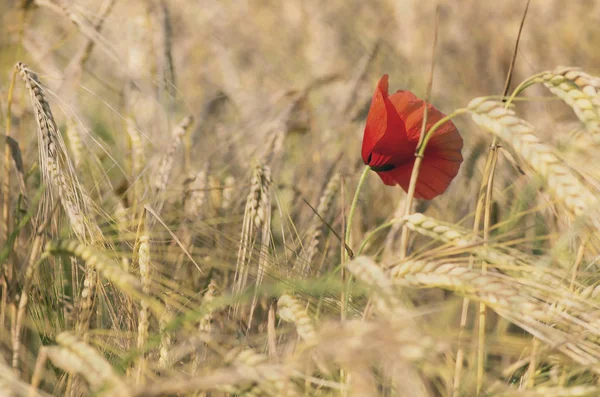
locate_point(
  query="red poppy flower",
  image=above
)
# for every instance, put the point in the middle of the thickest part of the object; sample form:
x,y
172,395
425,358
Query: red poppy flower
x,y
391,136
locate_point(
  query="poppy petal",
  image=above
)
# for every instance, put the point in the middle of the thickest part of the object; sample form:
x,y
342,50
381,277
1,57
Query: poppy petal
x,y
398,176
434,177
392,132
410,108
376,124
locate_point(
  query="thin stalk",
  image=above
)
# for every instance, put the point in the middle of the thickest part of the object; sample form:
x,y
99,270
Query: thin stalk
x,y
481,357
465,308
487,184
420,153
533,358
346,251
8,266
361,182
422,142
379,228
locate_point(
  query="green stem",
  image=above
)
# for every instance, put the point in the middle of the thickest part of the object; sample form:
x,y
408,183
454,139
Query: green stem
x,y
419,154
525,84
377,230
421,149
361,182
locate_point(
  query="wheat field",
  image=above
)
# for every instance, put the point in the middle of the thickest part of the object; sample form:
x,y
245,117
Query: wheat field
x,y
180,213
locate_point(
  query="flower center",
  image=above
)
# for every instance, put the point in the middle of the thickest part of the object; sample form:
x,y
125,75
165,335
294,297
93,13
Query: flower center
x,y
383,168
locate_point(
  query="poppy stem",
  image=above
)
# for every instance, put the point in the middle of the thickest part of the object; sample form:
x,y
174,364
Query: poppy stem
x,y
419,153
379,228
361,182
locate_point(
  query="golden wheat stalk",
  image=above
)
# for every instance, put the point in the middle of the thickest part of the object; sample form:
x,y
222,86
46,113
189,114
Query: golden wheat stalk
x,y
257,217
195,194
165,58
56,167
266,382
107,267
143,260
292,311
507,260
510,261
165,360
138,162
561,180
77,357
205,323
74,138
166,163
228,195
580,91
568,324
314,233
367,271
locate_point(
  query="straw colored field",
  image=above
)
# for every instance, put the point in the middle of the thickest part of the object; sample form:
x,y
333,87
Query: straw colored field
x,y
177,186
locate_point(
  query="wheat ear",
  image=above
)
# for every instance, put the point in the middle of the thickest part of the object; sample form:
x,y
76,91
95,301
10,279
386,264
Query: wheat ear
x,y
292,311
205,323
57,170
143,260
111,270
532,306
76,356
257,216
166,163
565,186
580,91
314,234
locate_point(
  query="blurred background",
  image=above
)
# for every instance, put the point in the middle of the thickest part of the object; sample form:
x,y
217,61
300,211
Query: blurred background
x,y
246,68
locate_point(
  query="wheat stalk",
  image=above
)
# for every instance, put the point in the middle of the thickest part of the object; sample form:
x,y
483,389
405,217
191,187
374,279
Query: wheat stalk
x,y
314,233
165,360
195,195
579,90
257,216
76,356
510,261
274,383
143,260
292,311
205,322
527,304
372,275
56,167
138,163
166,163
560,179
111,270
74,138
229,186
